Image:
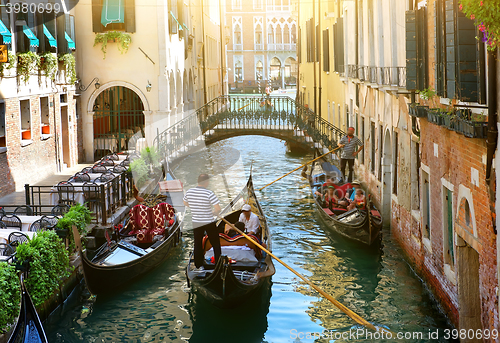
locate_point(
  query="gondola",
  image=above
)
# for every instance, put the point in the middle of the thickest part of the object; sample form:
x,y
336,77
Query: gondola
x,y
151,231
28,328
231,280
355,224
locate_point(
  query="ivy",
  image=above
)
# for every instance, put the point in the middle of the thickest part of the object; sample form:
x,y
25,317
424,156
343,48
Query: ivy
x,y
11,63
123,39
48,263
48,64
79,216
70,66
27,62
10,295
487,19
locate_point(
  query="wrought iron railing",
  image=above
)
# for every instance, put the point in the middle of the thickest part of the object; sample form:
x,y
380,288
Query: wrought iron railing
x,y
246,113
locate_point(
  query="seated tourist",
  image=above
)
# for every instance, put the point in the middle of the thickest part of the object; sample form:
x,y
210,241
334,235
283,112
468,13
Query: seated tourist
x,y
352,192
228,230
330,199
359,201
251,220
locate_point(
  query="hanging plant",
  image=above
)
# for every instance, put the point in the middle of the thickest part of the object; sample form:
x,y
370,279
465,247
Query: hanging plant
x,y
122,38
48,64
11,63
26,63
487,19
70,66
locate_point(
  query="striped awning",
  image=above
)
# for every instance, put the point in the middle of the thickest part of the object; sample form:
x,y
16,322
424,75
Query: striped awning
x,y
34,42
173,16
52,40
5,32
71,43
113,11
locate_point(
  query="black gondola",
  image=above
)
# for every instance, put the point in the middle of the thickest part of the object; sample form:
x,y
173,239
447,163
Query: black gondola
x,y
354,224
230,282
28,328
141,244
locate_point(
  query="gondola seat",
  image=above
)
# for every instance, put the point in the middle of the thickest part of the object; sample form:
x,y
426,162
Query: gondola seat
x,y
376,213
341,191
334,211
225,240
148,222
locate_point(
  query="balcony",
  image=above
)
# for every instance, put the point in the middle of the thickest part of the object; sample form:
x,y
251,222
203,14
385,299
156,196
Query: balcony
x,y
381,76
258,47
281,47
238,47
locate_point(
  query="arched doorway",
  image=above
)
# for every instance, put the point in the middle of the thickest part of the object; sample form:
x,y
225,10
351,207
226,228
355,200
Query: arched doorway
x,y
275,72
290,72
118,116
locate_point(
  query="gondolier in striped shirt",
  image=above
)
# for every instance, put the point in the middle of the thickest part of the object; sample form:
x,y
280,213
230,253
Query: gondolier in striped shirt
x,y
349,144
204,205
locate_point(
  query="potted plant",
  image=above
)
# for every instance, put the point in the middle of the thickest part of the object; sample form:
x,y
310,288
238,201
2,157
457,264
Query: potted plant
x,y
434,116
412,109
448,118
122,38
26,63
68,60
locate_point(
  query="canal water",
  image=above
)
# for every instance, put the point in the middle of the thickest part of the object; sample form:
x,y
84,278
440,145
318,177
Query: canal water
x,y
376,283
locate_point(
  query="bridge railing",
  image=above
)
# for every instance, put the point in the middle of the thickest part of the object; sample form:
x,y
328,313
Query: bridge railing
x,y
247,112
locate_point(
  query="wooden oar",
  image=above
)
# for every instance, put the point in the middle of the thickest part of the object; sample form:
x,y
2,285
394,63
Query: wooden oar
x,y
357,318
305,164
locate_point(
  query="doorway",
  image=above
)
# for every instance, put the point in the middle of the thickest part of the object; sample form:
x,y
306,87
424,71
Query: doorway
x,y
65,137
469,300
386,176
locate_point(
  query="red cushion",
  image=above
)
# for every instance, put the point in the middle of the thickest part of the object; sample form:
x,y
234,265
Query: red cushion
x,y
375,213
342,190
327,211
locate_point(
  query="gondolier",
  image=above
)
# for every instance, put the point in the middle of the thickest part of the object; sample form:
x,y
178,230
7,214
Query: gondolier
x,y
349,144
200,200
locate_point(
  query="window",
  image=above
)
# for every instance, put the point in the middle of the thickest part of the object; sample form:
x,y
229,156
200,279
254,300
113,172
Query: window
x,y
26,32
373,148
6,34
415,176
467,213
395,163
119,15
3,142
257,4
238,71
258,37
237,35
259,70
293,33
25,119
448,232
236,4
44,115
338,45
279,34
310,40
416,49
426,206
380,145
270,34
362,134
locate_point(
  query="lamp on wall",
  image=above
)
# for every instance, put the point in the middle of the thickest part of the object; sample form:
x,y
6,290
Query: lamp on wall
x,y
97,84
148,87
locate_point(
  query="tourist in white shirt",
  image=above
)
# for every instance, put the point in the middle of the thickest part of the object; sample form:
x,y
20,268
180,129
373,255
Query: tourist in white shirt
x,y
251,220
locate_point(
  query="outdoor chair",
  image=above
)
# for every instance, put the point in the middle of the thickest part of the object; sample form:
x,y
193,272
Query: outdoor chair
x,y
119,169
108,176
2,225
97,169
39,225
66,192
6,249
59,210
11,221
23,210
100,179
113,157
125,163
92,197
51,220
86,170
17,238
107,163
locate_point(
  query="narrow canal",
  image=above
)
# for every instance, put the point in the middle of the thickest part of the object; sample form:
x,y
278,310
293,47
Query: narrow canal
x,y
377,284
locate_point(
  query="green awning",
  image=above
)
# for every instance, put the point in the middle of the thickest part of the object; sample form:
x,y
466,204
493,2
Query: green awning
x,y
52,40
71,44
5,32
173,16
113,11
34,42
183,24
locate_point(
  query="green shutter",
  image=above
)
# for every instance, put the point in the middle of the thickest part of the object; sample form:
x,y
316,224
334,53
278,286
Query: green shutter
x,y
450,50
411,51
467,53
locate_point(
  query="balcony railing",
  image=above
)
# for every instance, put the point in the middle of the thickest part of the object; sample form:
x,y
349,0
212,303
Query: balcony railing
x,y
387,76
259,46
281,46
238,47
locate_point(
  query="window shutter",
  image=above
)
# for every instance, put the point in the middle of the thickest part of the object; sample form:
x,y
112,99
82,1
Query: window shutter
x,y
440,49
316,43
62,44
130,16
326,51
467,58
422,75
41,35
411,50
96,16
340,42
299,46
449,16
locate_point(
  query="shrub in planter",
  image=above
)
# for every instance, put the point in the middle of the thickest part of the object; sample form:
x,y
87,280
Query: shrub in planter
x,y
48,264
421,111
472,129
10,295
79,216
27,62
434,116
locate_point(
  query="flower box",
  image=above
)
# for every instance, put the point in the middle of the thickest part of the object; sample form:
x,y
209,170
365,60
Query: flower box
x,y
472,129
46,130
434,116
26,135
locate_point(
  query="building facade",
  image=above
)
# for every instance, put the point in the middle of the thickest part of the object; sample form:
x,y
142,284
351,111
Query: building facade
x,y
261,47
173,63
38,117
415,91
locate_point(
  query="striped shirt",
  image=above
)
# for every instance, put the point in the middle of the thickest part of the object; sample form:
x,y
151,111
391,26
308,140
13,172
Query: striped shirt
x,y
351,145
200,202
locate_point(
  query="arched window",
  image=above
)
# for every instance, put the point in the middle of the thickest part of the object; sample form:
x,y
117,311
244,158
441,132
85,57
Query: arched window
x,y
238,71
467,213
258,37
279,33
237,34
259,70
270,34
286,34
293,33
